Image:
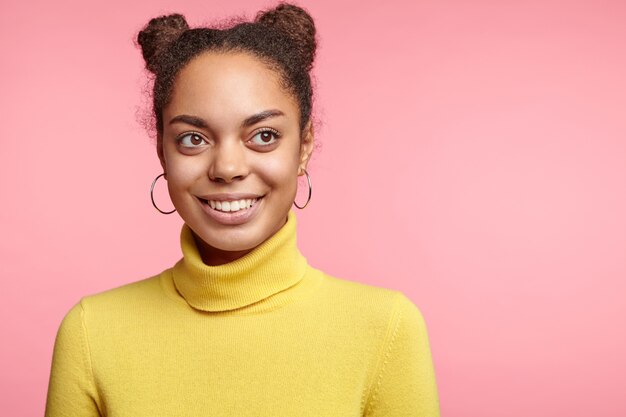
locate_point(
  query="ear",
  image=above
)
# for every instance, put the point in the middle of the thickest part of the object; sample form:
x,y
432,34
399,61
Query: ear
x,y
306,147
159,147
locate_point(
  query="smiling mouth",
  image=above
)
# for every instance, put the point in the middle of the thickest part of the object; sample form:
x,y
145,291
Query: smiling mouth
x,y
230,206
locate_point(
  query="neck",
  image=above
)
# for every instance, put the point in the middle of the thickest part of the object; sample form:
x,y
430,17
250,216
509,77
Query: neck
x,y
271,267
214,256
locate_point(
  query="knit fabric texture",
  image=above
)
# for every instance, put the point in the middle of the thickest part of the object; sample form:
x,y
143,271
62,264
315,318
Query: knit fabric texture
x,y
266,335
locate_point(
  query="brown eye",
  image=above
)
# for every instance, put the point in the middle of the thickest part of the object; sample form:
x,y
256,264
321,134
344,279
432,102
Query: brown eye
x,y
191,140
265,137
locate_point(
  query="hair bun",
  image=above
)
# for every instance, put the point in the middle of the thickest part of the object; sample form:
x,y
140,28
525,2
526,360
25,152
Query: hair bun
x,y
297,24
157,35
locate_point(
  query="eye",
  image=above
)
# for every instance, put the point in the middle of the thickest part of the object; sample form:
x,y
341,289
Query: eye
x,y
265,137
190,140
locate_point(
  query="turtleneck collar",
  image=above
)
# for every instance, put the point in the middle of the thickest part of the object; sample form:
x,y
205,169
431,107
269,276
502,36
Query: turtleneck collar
x,y
271,267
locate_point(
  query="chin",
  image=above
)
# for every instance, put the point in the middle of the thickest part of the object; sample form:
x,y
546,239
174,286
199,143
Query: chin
x,y
237,238
233,240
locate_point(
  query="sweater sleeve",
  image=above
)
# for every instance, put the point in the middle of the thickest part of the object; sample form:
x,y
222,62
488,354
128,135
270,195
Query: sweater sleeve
x,y
71,388
405,385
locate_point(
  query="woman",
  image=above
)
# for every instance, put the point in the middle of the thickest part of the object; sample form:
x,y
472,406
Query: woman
x,y
242,325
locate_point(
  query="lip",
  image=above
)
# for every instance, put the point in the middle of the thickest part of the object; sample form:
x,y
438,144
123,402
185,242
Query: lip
x,y
234,218
229,196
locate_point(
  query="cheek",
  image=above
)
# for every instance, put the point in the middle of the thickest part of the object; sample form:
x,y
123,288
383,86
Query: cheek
x,y
182,174
278,172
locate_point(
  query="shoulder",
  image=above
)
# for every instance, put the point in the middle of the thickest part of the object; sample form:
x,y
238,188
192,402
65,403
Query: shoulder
x,y
370,303
350,288
365,295
140,291
117,304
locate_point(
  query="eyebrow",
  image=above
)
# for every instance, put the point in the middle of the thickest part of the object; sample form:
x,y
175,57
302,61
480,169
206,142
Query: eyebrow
x,y
258,117
249,121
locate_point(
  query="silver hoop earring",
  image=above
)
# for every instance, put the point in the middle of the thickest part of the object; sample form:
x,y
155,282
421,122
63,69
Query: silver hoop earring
x,y
152,195
310,192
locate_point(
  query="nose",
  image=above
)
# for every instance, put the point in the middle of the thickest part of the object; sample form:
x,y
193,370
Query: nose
x,y
229,162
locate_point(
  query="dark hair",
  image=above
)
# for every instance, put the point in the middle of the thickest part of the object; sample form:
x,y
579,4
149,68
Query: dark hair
x,y
283,38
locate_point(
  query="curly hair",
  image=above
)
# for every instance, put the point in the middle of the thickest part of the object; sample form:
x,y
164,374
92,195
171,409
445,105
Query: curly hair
x,y
284,38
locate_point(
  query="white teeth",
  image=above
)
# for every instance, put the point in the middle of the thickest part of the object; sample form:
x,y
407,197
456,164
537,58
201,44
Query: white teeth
x,y
231,206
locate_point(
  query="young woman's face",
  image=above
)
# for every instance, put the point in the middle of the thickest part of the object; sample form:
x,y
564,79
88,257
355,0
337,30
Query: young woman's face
x,y
231,135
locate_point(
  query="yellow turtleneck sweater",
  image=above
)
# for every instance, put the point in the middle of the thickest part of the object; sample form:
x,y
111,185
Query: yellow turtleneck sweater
x,y
265,335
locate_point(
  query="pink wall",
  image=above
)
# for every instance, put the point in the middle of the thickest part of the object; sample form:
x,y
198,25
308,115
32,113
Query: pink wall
x,y
473,156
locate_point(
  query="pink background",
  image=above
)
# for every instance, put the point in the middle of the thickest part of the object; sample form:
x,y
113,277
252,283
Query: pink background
x,y
473,156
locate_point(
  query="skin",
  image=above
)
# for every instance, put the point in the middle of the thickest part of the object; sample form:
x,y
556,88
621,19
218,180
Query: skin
x,y
224,89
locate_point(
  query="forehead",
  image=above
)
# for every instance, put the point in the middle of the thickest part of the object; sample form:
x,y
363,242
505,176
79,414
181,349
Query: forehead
x,y
228,86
